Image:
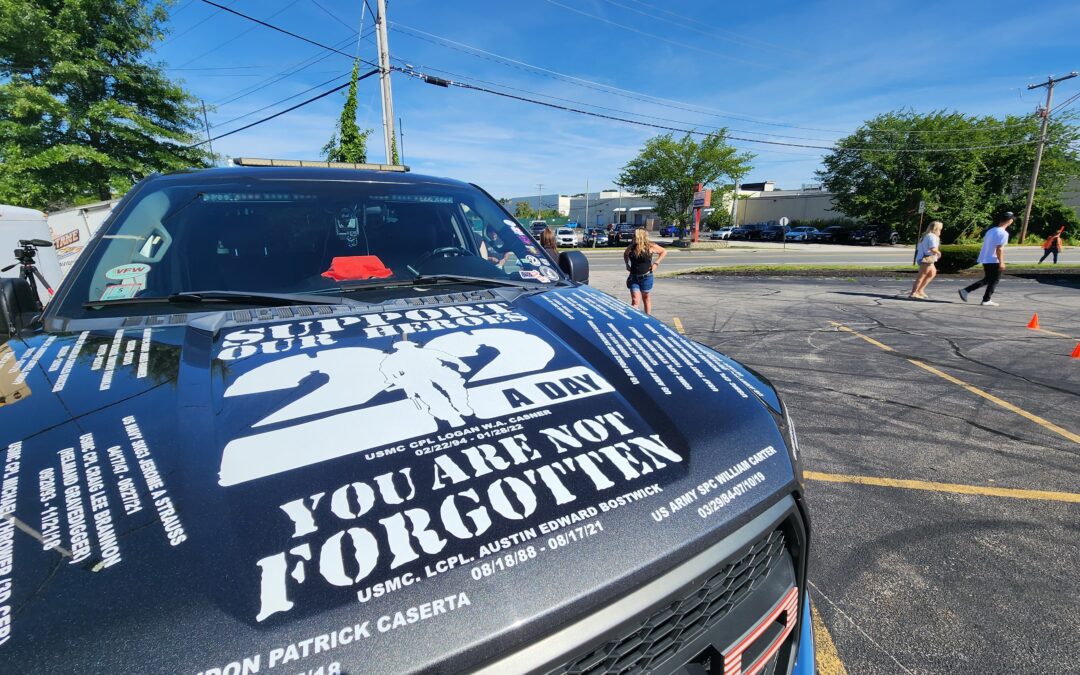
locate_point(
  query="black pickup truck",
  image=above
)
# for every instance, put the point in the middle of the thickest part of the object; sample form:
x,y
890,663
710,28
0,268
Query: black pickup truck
x,y
346,420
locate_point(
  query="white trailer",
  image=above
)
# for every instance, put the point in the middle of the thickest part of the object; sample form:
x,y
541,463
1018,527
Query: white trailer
x,y
17,223
72,229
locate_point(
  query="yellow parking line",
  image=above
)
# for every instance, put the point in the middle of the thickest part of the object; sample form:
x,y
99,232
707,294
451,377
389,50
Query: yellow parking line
x,y
1050,332
864,337
828,659
678,325
983,490
1044,423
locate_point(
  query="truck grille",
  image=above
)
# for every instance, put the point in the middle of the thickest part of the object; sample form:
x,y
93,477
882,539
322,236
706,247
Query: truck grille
x,y
685,618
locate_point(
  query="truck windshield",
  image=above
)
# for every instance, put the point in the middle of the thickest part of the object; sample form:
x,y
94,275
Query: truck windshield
x,y
302,237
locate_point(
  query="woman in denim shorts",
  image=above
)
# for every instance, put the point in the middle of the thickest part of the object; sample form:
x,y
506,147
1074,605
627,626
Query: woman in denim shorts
x,y
638,257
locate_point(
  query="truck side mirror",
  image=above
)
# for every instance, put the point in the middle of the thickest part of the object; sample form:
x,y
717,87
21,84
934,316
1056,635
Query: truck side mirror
x,y
17,306
576,266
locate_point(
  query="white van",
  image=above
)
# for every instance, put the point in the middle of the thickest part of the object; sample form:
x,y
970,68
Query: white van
x,y
17,223
72,229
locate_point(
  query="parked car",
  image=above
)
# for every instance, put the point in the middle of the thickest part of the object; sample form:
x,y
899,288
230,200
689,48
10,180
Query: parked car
x,y
874,234
750,231
774,232
306,417
595,237
567,236
722,233
669,231
802,233
624,234
538,226
833,234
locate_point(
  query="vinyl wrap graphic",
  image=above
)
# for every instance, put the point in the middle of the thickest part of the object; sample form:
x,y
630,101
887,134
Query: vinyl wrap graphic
x,y
302,495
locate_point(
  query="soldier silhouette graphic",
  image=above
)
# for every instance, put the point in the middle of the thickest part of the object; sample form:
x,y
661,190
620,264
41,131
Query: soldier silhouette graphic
x,y
429,381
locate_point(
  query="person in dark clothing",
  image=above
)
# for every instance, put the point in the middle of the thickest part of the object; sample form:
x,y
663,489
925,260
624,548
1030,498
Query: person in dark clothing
x,y
638,257
548,243
1052,245
992,258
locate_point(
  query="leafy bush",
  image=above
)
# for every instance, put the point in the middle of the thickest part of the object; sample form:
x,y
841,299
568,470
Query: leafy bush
x,y
958,257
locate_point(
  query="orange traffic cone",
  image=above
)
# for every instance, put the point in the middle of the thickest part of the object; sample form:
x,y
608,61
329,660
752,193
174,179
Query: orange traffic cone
x,y
1034,323
1076,352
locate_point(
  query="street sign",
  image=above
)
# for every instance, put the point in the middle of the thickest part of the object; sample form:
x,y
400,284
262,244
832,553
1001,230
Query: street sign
x,y
784,221
922,207
702,199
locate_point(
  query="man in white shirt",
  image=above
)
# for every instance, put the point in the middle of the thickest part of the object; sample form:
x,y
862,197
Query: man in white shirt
x,y
992,258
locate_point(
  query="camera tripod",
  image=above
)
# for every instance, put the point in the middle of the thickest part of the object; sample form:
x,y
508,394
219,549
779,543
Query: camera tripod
x,y
24,257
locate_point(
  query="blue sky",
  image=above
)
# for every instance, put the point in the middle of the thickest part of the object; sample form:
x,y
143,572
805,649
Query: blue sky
x,y
803,73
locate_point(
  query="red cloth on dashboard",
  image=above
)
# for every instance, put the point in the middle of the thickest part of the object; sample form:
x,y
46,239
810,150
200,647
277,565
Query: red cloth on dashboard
x,y
357,267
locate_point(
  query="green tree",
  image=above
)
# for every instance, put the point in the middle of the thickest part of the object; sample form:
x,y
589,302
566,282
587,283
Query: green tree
x,y
522,211
83,112
720,217
668,170
348,143
882,171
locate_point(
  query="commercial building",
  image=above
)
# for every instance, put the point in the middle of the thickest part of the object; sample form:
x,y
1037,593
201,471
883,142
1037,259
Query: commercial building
x,y
762,203
560,203
596,208
758,202
614,206
1071,195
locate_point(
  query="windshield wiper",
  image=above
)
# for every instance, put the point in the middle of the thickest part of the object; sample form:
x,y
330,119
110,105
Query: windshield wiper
x,y
431,279
225,297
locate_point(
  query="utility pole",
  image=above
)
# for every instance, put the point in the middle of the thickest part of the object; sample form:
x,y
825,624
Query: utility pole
x,y
586,223
1049,84
401,140
384,81
206,124
539,198
735,204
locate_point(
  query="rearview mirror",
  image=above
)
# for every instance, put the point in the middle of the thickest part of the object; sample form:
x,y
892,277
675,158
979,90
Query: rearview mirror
x,y
576,266
17,306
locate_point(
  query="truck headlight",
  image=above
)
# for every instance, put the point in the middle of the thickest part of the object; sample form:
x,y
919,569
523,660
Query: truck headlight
x,y
793,445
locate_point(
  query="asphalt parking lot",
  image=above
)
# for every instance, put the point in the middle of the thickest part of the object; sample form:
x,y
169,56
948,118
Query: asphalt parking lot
x,y
941,442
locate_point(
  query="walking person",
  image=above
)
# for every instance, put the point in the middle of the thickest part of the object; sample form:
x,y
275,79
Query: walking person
x,y
1053,245
548,243
992,258
927,253
638,257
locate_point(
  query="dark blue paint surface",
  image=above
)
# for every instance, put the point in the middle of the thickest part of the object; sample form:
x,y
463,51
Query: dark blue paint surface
x,y
288,473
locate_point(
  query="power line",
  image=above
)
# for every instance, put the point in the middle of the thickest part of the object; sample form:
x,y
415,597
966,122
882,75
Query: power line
x,y
599,107
235,37
444,83
707,30
331,14
629,94
277,103
684,45
288,32
579,111
187,30
288,72
287,110
1066,103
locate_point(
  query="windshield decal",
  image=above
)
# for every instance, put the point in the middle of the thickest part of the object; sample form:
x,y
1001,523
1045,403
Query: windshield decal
x,y
132,278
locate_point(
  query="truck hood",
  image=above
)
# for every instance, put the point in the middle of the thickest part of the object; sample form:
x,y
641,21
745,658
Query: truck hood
x,y
431,481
